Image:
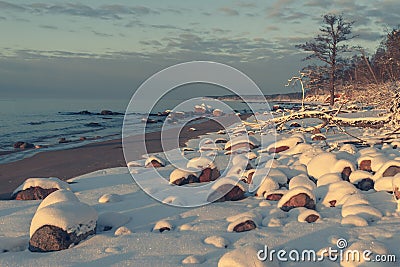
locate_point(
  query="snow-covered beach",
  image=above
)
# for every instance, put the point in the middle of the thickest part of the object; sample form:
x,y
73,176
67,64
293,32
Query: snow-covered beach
x,y
302,194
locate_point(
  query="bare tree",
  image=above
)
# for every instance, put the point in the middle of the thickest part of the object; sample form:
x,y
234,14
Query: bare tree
x,y
327,46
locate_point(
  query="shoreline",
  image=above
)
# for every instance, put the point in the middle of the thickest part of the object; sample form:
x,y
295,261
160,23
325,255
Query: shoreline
x,y
72,162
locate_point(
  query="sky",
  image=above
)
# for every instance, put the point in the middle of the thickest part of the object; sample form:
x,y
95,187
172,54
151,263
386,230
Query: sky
x,y
106,49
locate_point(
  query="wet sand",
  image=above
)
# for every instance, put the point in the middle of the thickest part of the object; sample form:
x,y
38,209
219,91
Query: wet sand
x,y
69,163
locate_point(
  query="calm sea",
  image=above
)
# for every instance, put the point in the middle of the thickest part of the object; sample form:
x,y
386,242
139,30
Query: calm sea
x,y
44,121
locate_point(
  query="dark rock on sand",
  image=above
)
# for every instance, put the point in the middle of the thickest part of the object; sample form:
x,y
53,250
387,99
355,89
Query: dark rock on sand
x,y
33,193
52,238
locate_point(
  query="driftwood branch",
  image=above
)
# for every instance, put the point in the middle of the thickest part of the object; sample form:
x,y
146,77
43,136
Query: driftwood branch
x,y
371,122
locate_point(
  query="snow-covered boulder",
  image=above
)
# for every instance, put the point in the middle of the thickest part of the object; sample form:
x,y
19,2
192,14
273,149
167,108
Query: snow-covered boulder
x,y
307,215
227,189
354,220
154,161
182,177
329,178
58,196
275,195
371,162
302,180
267,185
349,148
217,241
328,163
384,184
318,137
363,180
297,197
284,144
396,186
61,225
162,226
38,188
242,142
242,224
388,169
329,195
110,198
208,170
367,212
245,257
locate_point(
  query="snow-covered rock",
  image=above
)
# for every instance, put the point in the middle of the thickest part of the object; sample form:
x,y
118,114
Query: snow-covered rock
x,y
242,224
308,215
194,259
244,257
354,220
154,161
284,144
207,168
329,195
60,225
182,177
162,226
227,189
242,141
38,188
329,178
110,198
302,180
111,220
217,241
367,212
297,197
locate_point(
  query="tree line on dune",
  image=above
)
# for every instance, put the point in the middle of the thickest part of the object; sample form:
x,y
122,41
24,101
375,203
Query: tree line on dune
x,y
336,64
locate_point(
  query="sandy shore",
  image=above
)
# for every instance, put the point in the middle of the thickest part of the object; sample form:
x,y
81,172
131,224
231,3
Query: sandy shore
x,y
69,163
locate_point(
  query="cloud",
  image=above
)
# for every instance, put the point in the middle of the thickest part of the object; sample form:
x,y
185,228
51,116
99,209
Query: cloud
x,y
101,34
50,27
3,18
368,34
10,6
114,11
228,11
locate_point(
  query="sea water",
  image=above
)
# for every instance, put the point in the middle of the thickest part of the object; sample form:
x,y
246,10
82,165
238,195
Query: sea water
x,y
44,121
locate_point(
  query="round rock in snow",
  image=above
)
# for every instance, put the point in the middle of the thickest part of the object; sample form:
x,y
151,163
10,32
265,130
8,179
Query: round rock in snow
x,y
154,161
227,189
297,197
193,259
60,225
242,224
244,257
38,188
162,226
309,216
110,198
182,177
354,220
217,241
111,220
122,231
208,170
